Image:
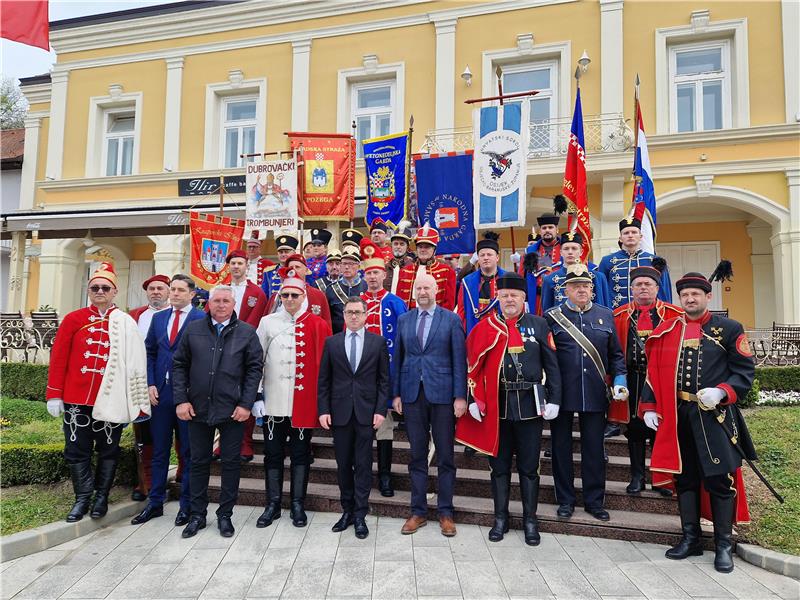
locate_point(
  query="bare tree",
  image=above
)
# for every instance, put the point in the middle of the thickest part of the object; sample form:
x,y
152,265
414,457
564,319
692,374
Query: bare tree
x,y
13,106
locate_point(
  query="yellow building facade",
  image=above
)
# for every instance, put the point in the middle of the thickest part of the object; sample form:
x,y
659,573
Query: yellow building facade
x,y
143,100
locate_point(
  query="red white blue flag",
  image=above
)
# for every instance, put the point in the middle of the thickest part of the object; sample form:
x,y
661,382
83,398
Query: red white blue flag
x,y
575,180
644,193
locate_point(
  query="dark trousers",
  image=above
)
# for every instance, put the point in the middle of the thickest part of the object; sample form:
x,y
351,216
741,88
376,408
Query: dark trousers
x,y
163,423
84,434
352,444
201,441
636,431
523,438
593,466
280,435
425,420
721,486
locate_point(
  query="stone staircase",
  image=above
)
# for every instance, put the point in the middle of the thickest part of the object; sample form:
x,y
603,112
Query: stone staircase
x,y
648,517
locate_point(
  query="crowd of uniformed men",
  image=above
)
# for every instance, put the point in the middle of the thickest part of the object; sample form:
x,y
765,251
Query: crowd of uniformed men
x,y
357,338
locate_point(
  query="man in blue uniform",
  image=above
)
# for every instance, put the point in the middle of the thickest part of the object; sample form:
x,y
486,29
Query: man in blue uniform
x,y
348,285
286,246
617,266
554,285
333,268
320,238
477,294
590,359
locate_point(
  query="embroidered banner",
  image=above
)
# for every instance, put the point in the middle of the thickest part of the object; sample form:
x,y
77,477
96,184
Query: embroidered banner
x,y
271,197
386,162
211,238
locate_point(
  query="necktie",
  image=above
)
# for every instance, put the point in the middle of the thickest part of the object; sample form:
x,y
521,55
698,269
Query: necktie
x,y
353,337
176,325
421,328
219,327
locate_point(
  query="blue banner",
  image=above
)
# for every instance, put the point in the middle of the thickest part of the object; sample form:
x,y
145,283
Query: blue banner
x,y
444,194
385,159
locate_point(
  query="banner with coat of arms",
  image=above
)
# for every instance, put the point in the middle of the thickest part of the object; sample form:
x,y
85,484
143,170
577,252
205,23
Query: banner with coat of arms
x,y
386,163
271,197
501,157
211,239
444,197
327,177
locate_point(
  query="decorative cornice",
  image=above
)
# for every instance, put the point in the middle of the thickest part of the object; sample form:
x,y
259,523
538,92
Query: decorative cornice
x,y
728,167
761,133
37,94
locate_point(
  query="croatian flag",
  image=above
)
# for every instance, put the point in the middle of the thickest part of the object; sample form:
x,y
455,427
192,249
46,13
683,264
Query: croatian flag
x,y
644,193
575,180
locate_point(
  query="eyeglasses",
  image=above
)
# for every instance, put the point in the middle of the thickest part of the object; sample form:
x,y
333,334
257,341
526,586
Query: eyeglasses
x,y
353,313
100,288
288,295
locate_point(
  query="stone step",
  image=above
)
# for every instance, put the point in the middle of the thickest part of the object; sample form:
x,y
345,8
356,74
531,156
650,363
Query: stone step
x,y
624,524
476,484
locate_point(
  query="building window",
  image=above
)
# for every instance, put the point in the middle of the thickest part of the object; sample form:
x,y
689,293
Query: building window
x,y
238,121
700,85
119,138
543,77
373,106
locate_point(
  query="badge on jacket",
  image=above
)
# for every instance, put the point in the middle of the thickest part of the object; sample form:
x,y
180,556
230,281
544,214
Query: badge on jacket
x,y
251,301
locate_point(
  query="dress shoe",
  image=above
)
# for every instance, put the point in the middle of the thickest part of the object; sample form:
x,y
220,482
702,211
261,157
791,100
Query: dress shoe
x,y
195,525
611,430
246,457
149,512
666,492
565,510
636,486
361,529
138,496
225,526
413,523
548,453
182,518
600,514
343,523
448,526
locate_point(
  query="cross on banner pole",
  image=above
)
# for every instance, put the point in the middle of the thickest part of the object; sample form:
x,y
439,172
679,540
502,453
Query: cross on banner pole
x,y
499,73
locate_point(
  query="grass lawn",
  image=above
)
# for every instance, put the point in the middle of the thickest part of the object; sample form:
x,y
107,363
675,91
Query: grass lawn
x,y
776,433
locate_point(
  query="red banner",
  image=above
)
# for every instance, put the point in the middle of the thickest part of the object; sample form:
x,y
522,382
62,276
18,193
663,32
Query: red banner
x,y
25,21
327,178
212,237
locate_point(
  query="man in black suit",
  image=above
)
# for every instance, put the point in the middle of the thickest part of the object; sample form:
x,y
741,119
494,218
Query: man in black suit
x,y
353,392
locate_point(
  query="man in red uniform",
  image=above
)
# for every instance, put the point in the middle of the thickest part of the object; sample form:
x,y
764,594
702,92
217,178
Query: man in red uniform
x,y
379,234
425,242
315,301
255,263
98,380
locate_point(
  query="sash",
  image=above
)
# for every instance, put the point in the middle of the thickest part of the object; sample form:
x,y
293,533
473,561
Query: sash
x,y
582,341
337,289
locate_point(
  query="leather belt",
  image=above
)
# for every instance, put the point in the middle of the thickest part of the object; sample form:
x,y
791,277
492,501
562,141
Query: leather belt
x,y
515,386
688,397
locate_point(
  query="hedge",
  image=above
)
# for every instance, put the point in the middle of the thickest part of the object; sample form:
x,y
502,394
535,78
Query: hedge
x,y
24,464
23,380
779,379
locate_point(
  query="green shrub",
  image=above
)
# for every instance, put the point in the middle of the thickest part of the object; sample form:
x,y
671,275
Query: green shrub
x,y
19,412
41,432
751,399
23,380
779,379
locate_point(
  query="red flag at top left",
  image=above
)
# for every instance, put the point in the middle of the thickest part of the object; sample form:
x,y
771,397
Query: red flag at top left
x,y
25,21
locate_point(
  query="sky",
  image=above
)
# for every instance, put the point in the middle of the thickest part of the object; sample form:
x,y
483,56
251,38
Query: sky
x,y
18,60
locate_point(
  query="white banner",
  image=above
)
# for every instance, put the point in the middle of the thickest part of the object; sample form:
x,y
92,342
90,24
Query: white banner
x,y
271,197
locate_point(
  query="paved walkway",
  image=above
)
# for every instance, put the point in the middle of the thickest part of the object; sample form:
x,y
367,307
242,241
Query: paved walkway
x,y
153,561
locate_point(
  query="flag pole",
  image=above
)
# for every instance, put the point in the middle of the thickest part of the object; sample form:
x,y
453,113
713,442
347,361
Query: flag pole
x,y
221,194
636,113
408,166
499,74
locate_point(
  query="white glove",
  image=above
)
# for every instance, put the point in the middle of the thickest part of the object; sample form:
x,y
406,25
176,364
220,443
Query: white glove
x,y
620,392
258,410
550,411
475,412
473,259
55,407
516,258
651,419
710,397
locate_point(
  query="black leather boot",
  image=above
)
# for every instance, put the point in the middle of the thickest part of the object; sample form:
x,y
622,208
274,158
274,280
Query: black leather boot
x,y
691,543
299,484
274,485
529,490
501,489
385,468
83,484
722,512
103,480
636,452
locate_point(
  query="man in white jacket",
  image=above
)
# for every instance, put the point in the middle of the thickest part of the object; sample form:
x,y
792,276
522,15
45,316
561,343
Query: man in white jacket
x,y
98,380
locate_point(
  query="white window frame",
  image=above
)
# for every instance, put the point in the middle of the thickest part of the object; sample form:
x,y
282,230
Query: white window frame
x,y
99,109
552,65
107,136
675,80
370,72
356,112
216,93
701,30
240,124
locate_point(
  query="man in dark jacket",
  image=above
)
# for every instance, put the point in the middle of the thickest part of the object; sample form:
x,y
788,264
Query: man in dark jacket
x,y
215,377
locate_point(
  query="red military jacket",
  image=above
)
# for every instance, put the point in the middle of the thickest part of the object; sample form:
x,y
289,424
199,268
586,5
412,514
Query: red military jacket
x,y
79,357
254,304
445,280
386,253
310,333
262,264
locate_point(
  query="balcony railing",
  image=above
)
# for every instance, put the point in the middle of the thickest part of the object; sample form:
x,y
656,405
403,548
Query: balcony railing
x,y
548,139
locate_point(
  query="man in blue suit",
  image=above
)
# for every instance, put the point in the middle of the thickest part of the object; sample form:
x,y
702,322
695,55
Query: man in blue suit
x,y
161,342
429,386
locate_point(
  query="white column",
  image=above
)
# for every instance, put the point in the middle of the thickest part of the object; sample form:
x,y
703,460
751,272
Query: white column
x,y
60,265
16,279
58,120
445,73
790,17
27,189
170,257
172,114
611,84
763,273
301,74
786,247
606,232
